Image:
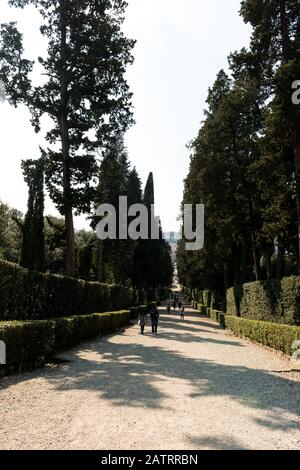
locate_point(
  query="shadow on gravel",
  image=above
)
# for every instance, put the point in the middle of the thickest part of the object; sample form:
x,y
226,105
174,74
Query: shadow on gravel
x,y
128,374
216,443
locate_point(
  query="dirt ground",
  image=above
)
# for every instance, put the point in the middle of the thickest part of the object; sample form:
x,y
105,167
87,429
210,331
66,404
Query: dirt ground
x,y
193,386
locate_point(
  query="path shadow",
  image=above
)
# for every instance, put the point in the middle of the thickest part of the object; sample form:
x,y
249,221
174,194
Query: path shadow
x,y
216,443
178,331
203,323
130,374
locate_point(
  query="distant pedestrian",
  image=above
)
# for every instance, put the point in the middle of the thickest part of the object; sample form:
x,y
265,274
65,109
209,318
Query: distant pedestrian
x,y
174,305
142,320
182,313
179,304
154,315
168,308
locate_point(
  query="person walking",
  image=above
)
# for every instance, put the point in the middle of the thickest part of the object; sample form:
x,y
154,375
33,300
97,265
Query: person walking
x,y
168,308
182,313
142,320
154,315
174,305
179,304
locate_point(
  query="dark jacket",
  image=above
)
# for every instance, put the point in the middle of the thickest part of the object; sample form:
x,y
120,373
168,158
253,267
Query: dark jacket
x,y
154,315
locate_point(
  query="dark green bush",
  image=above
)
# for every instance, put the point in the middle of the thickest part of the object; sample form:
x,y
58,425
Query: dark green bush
x,y
30,343
207,298
215,314
26,295
272,301
274,335
201,308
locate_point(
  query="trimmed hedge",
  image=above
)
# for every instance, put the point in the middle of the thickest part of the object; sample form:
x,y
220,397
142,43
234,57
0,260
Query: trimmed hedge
x,y
27,295
29,344
215,314
272,301
273,335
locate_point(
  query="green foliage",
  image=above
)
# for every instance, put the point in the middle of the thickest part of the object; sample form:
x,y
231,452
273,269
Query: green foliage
x,y
31,295
33,243
273,335
246,158
73,330
273,301
85,93
216,315
30,344
10,233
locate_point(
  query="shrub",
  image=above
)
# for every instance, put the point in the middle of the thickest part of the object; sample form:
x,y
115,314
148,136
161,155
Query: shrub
x,y
26,295
274,335
206,295
273,301
30,343
201,308
215,314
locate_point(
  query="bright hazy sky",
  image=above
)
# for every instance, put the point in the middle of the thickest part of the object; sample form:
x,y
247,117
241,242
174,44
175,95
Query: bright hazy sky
x,y
181,45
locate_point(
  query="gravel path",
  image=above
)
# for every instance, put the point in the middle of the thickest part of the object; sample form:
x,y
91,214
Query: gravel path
x,y
192,387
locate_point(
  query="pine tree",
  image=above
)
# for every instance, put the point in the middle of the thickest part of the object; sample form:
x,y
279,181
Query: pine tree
x,y
33,244
85,93
275,44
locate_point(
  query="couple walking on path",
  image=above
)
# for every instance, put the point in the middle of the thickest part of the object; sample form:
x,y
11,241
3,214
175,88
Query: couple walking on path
x,y
154,315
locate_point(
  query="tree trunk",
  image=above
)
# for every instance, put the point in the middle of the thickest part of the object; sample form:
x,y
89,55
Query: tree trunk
x,y
280,260
256,259
64,131
284,31
100,261
237,268
244,264
268,260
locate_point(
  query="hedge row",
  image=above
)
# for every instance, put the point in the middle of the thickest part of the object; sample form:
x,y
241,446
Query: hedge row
x,y
30,343
273,335
272,301
26,295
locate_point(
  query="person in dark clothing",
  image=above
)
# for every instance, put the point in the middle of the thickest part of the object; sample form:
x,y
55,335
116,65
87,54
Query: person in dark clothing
x,y
154,315
168,308
174,305
179,304
182,313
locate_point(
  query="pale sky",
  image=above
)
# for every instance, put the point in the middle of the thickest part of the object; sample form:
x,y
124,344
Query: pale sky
x,y
181,46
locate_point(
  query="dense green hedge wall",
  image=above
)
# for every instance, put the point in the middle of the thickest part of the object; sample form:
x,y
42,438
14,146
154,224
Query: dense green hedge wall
x,y
30,343
274,335
26,295
273,301
216,315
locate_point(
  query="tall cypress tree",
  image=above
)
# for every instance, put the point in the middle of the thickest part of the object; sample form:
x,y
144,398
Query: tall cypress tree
x,y
275,45
85,93
33,244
